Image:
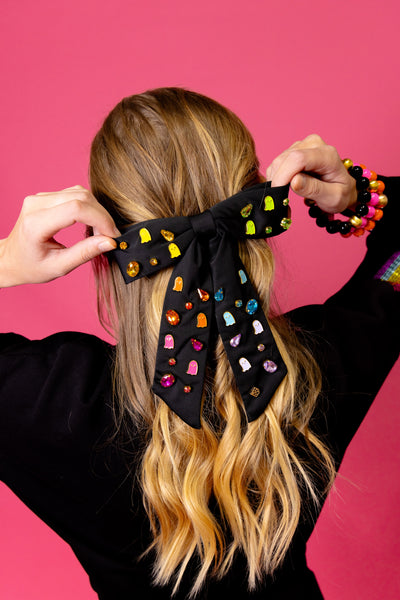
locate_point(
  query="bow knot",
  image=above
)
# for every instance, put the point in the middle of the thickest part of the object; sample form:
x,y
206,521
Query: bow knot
x,y
209,285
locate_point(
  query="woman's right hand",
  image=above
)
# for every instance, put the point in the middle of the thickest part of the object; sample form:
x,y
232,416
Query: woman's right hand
x,y
30,254
314,170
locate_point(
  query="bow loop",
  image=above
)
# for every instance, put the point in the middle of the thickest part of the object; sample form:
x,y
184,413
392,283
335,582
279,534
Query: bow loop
x,y
203,224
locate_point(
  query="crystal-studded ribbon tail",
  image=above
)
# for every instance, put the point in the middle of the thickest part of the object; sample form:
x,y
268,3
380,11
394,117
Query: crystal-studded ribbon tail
x,y
245,331
184,337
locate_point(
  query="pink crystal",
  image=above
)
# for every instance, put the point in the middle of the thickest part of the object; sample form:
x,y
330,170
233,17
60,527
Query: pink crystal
x,y
167,380
197,345
235,341
270,366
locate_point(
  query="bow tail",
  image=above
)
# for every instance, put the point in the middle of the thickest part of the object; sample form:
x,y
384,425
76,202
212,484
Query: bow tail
x,y
184,336
248,340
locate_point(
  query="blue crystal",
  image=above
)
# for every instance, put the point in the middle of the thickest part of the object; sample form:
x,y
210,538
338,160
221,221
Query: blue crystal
x,y
251,306
219,295
242,276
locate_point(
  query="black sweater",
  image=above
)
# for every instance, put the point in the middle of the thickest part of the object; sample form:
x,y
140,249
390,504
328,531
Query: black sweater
x,y
56,422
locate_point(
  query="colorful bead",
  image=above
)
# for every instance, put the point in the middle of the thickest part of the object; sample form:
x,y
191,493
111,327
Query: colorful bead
x,y
355,221
228,318
269,203
133,269
197,345
246,211
174,250
374,199
235,341
373,185
238,303
167,235
193,368
378,215
167,380
172,317
251,306
144,235
359,232
201,320
270,366
285,202
172,361
367,173
347,163
255,391
187,389
258,328
268,230
242,275
244,363
260,347
371,212
370,225
381,187
286,223
203,295
123,245
153,261
219,295
188,306
383,200
250,228
168,341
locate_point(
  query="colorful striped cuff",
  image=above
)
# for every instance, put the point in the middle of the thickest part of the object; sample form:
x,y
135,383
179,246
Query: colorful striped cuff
x,y
390,271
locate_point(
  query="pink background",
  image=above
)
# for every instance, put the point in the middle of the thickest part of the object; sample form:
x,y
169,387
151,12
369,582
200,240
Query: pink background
x,y
288,68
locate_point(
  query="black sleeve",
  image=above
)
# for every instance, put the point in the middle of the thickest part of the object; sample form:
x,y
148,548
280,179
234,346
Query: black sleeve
x,y
356,333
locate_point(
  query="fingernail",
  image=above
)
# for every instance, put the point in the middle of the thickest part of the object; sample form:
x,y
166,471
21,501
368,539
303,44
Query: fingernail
x,y
107,245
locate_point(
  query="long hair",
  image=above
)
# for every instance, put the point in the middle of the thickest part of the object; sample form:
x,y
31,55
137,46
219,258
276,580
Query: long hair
x,y
230,486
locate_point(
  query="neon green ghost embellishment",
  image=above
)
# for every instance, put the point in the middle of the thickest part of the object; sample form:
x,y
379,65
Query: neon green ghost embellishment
x,y
144,235
174,250
269,203
250,228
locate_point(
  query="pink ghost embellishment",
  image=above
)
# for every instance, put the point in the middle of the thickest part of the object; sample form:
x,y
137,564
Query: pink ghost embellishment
x,y
193,367
169,341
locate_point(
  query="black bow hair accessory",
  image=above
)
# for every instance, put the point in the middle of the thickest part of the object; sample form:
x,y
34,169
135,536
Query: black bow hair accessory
x,y
209,291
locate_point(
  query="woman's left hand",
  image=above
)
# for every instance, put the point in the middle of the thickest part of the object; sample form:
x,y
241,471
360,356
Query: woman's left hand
x,y
314,170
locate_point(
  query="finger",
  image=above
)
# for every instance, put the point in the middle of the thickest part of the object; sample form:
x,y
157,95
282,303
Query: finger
x,y
323,160
330,197
48,222
68,259
311,141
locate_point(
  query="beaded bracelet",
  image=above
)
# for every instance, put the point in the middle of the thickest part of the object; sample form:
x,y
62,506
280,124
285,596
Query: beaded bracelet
x,y
368,209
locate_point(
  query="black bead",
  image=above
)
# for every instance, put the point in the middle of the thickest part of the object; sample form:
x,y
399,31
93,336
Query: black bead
x,y
333,226
345,227
322,220
356,172
364,196
315,211
361,210
362,183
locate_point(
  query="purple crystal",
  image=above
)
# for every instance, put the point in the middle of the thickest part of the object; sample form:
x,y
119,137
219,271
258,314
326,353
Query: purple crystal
x,y
167,380
197,345
270,366
235,341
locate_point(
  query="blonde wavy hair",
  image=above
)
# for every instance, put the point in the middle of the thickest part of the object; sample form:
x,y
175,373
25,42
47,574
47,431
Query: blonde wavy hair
x,y
172,152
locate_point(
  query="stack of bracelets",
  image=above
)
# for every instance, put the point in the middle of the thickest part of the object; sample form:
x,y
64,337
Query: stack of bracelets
x,y
368,209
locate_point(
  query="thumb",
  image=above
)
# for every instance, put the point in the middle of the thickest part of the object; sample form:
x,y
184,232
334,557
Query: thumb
x,y
83,251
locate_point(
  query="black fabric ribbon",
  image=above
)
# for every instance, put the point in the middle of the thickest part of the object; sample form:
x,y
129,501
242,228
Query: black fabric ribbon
x,y
209,288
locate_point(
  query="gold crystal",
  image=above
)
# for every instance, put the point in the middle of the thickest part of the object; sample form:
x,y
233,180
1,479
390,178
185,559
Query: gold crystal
x,y
133,269
168,235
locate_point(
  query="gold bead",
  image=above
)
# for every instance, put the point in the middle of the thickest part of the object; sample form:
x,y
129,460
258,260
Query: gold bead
x,y
133,269
255,391
347,163
123,245
153,261
373,185
383,200
356,221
